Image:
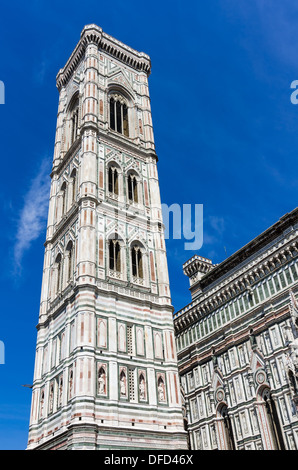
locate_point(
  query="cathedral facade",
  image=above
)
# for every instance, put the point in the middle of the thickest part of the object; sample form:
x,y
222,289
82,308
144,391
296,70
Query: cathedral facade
x,y
237,345
106,373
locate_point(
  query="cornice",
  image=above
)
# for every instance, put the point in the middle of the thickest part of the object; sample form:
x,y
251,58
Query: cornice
x,y
64,224
119,142
251,248
57,169
136,295
108,138
93,34
219,289
238,283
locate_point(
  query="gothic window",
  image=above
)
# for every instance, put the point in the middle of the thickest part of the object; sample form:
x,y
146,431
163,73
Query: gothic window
x,y
114,255
273,420
113,180
137,262
132,186
58,272
74,121
119,114
70,267
226,429
74,184
63,202
75,118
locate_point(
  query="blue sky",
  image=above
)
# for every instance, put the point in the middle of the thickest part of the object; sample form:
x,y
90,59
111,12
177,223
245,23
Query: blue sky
x,y
226,135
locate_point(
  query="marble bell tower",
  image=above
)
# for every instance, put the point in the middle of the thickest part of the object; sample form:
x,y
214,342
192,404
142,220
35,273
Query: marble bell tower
x,y
105,372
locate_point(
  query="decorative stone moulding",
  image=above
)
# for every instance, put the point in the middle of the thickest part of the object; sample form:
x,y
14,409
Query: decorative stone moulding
x,y
92,34
211,300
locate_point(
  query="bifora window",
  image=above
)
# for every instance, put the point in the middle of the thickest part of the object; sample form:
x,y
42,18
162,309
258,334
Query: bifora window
x,y
113,180
114,255
132,188
74,119
119,114
137,262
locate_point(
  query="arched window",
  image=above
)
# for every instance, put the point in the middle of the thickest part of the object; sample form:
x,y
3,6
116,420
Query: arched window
x,y
74,184
273,420
58,272
70,267
114,255
225,428
119,114
71,122
113,180
132,186
74,121
63,203
137,262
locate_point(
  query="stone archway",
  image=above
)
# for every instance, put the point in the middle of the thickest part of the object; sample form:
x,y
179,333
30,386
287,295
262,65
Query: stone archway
x,y
225,429
269,421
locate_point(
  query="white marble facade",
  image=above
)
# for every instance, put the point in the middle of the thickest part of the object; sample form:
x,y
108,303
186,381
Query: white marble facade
x,y
105,354
236,344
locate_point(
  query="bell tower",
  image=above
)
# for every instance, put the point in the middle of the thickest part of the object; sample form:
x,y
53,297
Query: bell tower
x,y
105,372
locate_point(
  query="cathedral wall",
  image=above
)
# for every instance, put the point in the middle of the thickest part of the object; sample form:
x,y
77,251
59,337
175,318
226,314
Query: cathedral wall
x,y
234,360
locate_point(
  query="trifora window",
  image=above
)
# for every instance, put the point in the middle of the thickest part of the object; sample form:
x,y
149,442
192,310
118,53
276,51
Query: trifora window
x,y
119,115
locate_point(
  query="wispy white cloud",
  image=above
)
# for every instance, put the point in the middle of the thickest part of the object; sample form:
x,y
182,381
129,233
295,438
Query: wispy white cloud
x,y
33,215
276,26
217,223
40,71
